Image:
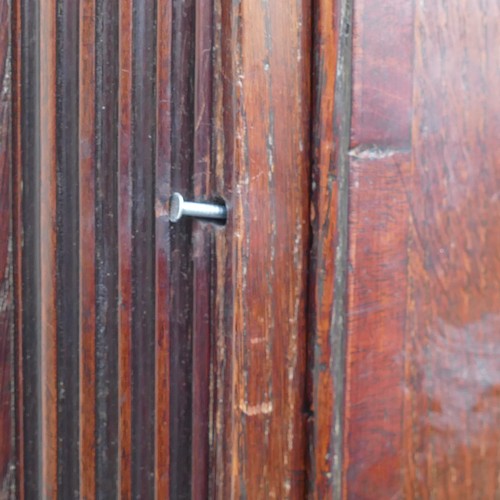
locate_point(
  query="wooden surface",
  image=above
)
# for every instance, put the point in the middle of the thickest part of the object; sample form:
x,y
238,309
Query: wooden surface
x,y
338,337
420,410
103,285
262,120
7,317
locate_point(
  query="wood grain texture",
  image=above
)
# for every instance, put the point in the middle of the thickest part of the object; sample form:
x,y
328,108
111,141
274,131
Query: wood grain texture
x,y
261,330
453,335
48,245
7,317
88,125
378,237
378,219
382,73
321,276
87,235
421,408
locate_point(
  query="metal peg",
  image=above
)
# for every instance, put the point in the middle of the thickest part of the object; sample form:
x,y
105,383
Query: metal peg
x,y
180,208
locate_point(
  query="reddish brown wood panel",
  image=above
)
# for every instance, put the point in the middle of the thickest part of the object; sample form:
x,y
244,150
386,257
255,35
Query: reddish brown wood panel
x,y
7,317
420,407
452,384
378,218
263,111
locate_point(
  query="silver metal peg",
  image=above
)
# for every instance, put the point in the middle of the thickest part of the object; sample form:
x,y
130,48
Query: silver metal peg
x,y
179,208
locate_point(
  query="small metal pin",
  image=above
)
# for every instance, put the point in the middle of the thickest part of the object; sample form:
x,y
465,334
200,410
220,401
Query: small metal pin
x,y
180,208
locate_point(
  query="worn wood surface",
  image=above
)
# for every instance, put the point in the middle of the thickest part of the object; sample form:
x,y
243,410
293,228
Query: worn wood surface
x,y
262,116
338,337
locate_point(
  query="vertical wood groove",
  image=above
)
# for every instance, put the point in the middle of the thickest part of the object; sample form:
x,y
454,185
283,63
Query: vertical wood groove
x,y
106,234
124,250
7,291
17,213
203,243
68,264
143,256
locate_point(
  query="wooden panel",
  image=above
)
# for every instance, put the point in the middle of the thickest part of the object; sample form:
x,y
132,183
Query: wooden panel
x,y
378,219
382,76
452,408
419,416
263,110
378,238
105,291
7,318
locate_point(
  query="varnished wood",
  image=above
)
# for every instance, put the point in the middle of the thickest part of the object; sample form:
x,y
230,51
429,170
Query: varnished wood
x,y
261,335
321,276
338,337
452,346
378,230
419,310
87,146
47,239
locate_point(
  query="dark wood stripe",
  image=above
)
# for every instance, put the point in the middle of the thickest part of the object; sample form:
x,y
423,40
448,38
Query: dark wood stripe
x,y
87,174
30,260
106,216
7,318
67,249
48,242
202,256
181,279
143,249
125,251
17,41
163,310
338,332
